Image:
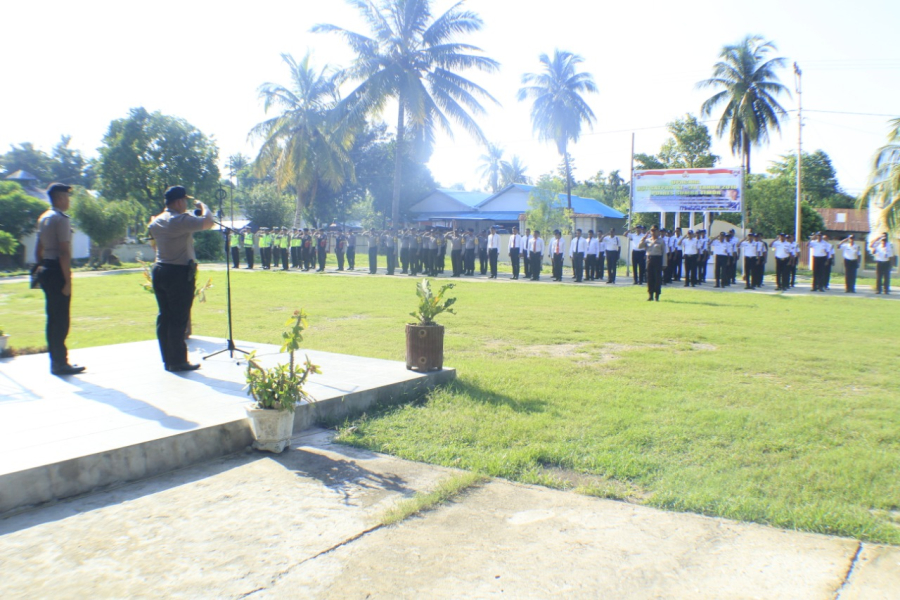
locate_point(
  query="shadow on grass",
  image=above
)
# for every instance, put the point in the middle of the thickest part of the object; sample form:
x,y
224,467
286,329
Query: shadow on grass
x,y
479,394
699,303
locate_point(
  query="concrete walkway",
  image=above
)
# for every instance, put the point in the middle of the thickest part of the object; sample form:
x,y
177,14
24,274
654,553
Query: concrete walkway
x,y
304,524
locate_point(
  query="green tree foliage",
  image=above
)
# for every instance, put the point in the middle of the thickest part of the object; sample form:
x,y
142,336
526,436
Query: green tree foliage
x,y
305,143
8,244
266,206
27,158
104,221
558,110
18,211
771,207
546,210
413,57
144,153
209,245
749,90
513,171
688,148
819,185
68,165
491,167
882,193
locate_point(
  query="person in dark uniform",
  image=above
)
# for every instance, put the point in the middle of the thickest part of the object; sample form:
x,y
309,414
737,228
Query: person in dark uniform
x,y
482,252
456,248
415,252
535,255
526,262
321,250
54,258
174,273
388,241
493,249
340,249
557,254
469,246
404,251
577,248
657,254
611,247
247,239
515,247
351,251
372,238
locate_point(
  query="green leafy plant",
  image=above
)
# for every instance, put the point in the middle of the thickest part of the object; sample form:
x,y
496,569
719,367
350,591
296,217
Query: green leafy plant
x,y
199,290
281,387
431,304
2,332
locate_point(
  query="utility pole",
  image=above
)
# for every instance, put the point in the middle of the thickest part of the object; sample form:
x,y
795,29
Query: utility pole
x,y
797,75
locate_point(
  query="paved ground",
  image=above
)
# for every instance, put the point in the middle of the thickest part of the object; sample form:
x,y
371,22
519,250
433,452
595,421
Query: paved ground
x,y
304,524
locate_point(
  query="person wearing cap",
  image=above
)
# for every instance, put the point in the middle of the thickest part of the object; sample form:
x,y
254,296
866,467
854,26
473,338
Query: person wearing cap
x,y
732,240
795,259
851,253
828,263
285,246
638,255
748,248
174,273
53,254
657,253
883,251
535,255
678,255
469,245
782,249
818,250
557,254
690,247
482,252
235,248
722,251
611,248
577,248
762,255
247,238
703,259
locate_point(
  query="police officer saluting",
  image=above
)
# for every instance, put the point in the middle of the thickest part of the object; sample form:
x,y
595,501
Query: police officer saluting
x,y
174,273
54,257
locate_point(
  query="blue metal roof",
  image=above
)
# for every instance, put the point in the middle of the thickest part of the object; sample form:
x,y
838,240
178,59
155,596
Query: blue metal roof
x,y
471,216
584,206
472,199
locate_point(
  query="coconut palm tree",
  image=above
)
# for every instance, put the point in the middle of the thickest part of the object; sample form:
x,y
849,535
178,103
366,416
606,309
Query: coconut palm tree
x,y
413,58
882,193
491,166
304,143
513,171
558,109
749,88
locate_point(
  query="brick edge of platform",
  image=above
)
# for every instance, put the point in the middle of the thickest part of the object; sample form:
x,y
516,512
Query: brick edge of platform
x,y
85,474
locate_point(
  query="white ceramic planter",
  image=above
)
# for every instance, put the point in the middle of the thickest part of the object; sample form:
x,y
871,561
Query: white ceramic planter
x,y
4,340
272,429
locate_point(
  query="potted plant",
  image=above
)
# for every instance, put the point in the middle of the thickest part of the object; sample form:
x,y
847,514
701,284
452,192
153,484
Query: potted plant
x,y
4,340
277,390
425,339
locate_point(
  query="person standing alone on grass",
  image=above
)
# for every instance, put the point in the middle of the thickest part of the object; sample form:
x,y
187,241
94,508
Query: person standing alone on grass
x,y
54,258
883,251
657,251
174,273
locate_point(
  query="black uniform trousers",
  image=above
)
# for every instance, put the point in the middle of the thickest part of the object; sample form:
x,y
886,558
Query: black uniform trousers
x,y
654,276
483,260
456,262
340,259
783,273
404,260
391,261
590,267
723,275
492,261
173,286
883,276
690,270
373,259
612,264
526,263
676,271
702,264
351,257
578,265
850,269
759,270
601,261
415,264
535,270
248,255
749,268
323,256
57,308
819,272
638,260
514,261
235,257
470,261
557,267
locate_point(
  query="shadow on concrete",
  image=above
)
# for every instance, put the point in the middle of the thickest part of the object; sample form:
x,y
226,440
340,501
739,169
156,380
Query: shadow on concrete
x,y
12,390
132,406
339,475
58,510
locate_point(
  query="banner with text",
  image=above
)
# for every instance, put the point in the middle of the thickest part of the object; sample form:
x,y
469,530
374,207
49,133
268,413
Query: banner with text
x,y
688,190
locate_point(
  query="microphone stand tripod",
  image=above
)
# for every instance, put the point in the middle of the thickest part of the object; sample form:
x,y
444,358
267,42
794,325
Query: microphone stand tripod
x,y
230,348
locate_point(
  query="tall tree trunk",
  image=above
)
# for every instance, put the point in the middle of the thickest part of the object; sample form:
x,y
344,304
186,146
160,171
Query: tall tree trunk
x,y
568,177
398,157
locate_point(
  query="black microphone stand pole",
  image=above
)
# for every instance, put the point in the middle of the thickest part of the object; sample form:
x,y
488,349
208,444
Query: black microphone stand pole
x,y
230,348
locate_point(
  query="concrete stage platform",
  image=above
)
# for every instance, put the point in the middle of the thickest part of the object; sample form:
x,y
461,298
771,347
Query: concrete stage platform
x,y
126,418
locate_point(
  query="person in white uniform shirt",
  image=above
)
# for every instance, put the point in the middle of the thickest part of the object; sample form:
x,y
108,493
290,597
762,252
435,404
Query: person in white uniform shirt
x,y
535,255
678,255
591,256
557,254
493,251
795,258
612,248
722,251
638,255
577,248
690,248
748,249
828,263
703,259
515,248
818,249
851,253
883,251
782,249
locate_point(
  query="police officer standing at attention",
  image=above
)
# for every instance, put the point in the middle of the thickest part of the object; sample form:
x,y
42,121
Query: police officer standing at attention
x,y
174,273
557,254
577,248
515,246
248,246
54,257
851,254
493,249
638,256
611,246
657,254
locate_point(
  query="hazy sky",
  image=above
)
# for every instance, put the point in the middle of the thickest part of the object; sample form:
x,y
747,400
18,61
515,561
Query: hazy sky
x,y
72,67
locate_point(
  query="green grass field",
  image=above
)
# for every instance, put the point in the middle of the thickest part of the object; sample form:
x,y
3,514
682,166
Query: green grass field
x,y
777,409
